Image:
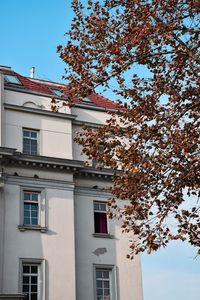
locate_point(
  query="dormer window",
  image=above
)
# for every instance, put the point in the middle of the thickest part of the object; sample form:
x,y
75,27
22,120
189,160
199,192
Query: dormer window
x,y
57,92
87,100
11,79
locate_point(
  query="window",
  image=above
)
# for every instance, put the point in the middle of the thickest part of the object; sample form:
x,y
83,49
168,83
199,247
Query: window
x,y
100,150
57,92
105,283
30,142
30,280
12,79
31,208
100,218
87,100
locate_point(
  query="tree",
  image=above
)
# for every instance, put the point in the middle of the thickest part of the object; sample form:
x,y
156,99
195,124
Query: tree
x,y
149,51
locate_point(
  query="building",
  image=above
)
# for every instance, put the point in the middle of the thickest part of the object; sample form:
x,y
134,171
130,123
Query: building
x,y
56,242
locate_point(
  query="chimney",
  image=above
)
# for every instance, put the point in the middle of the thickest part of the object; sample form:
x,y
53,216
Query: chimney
x,y
32,72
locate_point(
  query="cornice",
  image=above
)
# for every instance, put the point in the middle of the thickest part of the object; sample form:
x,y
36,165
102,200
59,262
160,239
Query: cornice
x,y
11,157
40,111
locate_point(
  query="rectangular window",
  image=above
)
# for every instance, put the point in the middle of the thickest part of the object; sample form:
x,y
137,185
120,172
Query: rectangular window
x,y
100,149
100,218
30,142
30,277
31,207
12,79
103,284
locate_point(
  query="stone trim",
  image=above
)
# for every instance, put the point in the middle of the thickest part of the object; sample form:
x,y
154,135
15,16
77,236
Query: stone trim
x,y
40,111
12,296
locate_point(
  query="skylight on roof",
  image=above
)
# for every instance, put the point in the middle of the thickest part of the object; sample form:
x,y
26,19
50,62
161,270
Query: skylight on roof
x,y
57,92
86,100
11,79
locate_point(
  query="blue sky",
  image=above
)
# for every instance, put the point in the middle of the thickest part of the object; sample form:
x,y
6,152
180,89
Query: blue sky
x,y
30,32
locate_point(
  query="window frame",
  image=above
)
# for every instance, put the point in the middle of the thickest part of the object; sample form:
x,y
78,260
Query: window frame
x,y
17,81
29,138
103,212
57,92
112,279
41,226
32,202
40,263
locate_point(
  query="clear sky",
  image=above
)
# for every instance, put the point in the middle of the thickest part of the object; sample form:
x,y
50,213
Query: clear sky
x,y
29,34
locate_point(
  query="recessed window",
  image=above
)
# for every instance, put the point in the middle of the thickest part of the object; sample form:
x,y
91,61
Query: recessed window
x,y
12,79
30,280
100,150
57,92
33,204
31,207
103,284
30,142
100,218
86,100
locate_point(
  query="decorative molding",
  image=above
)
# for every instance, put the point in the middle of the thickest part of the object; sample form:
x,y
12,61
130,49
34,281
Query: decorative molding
x,y
80,105
39,183
11,157
31,227
91,192
12,296
40,111
103,235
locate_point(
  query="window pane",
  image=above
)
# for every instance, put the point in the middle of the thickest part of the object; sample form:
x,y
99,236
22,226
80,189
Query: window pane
x,y
26,196
33,279
12,79
27,206
34,214
25,279
99,291
106,292
26,213
35,197
34,221
99,283
34,134
34,269
102,207
99,274
106,284
100,222
26,269
26,133
25,288
33,296
106,274
34,288
27,221
34,207
96,206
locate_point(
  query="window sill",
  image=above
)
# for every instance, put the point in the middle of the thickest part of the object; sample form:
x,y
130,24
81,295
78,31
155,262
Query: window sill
x,y
103,235
32,227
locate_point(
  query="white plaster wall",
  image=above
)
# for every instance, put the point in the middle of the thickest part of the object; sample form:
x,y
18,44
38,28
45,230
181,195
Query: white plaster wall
x,y
128,277
90,115
76,148
31,100
56,246
55,136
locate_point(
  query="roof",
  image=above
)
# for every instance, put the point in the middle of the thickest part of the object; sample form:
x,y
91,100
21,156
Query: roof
x,y
46,87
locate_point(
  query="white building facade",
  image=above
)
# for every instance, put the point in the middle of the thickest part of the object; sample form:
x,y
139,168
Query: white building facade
x,y
56,242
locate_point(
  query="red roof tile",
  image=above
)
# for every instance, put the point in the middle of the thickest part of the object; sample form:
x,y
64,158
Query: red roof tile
x,y
44,87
